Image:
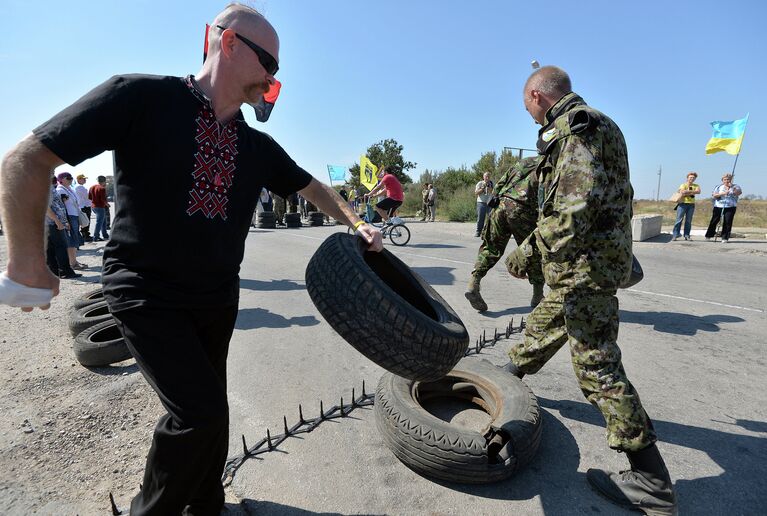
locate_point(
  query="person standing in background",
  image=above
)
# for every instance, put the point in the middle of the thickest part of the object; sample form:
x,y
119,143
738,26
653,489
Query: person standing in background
x,y
85,206
69,197
483,190
98,196
431,202
686,207
725,203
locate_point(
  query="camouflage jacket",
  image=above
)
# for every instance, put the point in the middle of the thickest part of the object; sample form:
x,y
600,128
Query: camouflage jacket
x,y
520,183
584,200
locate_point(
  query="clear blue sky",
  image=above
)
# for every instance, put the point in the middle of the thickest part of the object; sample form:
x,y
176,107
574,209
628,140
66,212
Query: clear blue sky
x,y
443,78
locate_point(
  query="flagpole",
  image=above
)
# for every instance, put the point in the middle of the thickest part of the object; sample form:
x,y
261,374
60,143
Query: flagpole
x,y
742,139
330,177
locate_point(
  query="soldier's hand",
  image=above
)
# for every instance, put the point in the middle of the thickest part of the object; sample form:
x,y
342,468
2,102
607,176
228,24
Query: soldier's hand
x,y
518,275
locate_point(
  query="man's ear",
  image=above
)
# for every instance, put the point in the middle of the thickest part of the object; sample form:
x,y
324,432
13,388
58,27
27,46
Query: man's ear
x,y
227,42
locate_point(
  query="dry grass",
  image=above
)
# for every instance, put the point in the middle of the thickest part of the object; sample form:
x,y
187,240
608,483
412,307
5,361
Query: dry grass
x,y
750,214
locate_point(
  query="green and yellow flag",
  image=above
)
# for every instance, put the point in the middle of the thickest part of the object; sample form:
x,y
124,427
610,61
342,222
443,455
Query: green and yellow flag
x,y
368,173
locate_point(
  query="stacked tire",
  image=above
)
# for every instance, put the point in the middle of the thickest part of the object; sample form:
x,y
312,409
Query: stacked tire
x,y
316,218
98,341
293,220
266,220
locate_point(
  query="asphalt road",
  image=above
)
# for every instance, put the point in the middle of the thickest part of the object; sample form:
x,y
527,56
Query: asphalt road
x,y
692,336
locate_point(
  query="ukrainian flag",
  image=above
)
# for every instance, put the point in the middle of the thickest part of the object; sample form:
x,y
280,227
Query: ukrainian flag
x,y
728,136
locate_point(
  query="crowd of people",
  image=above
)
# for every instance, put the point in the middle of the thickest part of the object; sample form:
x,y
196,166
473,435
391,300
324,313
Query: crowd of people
x,y
68,220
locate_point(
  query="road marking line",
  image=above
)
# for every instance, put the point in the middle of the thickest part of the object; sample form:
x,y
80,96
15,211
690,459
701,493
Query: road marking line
x,y
696,300
627,290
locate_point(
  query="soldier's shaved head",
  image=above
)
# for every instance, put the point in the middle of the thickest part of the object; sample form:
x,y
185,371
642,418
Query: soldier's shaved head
x,y
552,81
543,89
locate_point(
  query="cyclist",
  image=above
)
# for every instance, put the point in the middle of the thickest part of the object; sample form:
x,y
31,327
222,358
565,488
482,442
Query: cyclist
x,y
394,194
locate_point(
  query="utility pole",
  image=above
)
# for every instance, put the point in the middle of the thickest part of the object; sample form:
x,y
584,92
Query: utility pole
x,y
657,193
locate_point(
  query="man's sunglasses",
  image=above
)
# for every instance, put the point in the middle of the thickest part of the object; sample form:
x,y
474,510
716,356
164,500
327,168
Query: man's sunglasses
x,y
265,58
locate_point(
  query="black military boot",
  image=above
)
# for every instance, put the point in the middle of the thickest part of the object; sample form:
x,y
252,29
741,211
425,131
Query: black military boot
x,y
473,295
645,487
537,295
513,369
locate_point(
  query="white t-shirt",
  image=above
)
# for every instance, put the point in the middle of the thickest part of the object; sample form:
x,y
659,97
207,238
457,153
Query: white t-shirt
x,y
484,197
82,196
73,209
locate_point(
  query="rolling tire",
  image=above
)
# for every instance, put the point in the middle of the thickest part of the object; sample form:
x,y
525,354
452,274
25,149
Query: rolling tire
x,y
266,225
436,448
90,297
384,310
399,234
101,345
88,316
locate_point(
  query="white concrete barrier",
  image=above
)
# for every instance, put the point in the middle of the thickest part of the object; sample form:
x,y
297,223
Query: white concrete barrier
x,y
645,226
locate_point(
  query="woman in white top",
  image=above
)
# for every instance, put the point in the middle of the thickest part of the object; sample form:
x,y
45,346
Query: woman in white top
x,y
725,203
69,197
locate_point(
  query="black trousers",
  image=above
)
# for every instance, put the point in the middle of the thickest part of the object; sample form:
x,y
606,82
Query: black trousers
x,y
182,354
56,256
716,214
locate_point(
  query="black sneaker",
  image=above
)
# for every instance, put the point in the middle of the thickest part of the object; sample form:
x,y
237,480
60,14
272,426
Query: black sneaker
x,y
71,275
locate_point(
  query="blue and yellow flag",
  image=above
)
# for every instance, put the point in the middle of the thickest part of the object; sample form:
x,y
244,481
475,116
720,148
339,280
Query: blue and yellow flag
x,y
337,173
368,173
727,137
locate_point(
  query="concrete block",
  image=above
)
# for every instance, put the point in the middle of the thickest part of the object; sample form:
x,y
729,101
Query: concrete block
x,y
645,226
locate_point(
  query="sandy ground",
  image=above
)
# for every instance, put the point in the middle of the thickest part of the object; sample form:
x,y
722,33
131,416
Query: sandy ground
x,y
68,435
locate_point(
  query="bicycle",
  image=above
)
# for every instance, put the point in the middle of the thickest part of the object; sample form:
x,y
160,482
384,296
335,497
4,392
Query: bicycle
x,y
397,231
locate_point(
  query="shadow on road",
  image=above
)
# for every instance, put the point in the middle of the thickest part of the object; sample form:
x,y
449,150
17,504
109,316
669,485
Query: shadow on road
x,y
251,318
522,310
436,275
282,284
678,323
742,483
552,475
248,507
115,370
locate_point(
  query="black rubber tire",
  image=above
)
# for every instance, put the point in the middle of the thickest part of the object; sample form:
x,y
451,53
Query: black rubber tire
x,y
399,234
385,310
436,448
637,274
101,345
88,316
90,297
266,225
293,217
266,216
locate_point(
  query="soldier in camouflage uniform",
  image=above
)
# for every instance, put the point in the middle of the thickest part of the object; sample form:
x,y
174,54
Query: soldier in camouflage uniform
x,y
280,207
514,212
584,237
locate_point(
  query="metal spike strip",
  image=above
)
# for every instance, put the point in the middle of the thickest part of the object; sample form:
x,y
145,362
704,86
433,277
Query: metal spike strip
x,y
271,443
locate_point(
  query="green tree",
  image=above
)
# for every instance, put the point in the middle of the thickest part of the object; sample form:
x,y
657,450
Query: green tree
x,y
389,153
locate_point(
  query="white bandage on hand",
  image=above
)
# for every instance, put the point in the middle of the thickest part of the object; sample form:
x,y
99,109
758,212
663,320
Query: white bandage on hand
x,y
16,294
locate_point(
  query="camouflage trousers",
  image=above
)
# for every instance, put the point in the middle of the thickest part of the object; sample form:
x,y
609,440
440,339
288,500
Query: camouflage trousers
x,y
588,322
279,208
507,220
